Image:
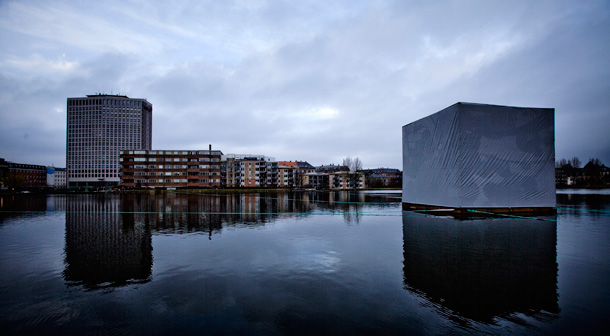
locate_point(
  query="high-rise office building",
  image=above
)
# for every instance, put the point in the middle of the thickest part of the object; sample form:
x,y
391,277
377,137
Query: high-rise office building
x,y
99,127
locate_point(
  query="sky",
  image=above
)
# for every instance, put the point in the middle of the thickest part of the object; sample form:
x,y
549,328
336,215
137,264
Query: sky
x,y
302,80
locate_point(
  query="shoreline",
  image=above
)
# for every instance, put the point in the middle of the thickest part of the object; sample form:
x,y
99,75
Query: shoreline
x,y
185,191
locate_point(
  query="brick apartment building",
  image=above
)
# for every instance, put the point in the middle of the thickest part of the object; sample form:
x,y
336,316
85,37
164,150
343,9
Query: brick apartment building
x,y
170,168
248,171
22,175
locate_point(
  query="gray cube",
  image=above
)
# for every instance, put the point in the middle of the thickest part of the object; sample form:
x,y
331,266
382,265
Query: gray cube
x,y
478,156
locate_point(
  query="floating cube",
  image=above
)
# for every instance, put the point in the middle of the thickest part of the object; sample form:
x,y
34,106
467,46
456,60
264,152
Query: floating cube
x,y
480,157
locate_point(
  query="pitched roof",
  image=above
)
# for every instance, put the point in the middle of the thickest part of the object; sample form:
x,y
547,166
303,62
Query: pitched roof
x,y
288,164
304,164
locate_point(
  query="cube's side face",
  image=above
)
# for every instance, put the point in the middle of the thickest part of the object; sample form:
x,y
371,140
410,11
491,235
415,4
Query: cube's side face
x,y
430,153
507,156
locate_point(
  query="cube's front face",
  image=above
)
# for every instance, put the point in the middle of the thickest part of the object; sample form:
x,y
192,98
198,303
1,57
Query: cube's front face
x,y
480,156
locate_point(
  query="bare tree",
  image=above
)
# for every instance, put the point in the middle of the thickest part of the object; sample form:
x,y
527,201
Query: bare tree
x,y
353,164
575,162
356,164
348,162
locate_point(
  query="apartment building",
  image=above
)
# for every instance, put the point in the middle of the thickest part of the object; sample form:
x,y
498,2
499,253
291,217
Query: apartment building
x,y
303,167
287,174
315,180
248,171
56,177
346,180
171,168
23,175
98,127
338,180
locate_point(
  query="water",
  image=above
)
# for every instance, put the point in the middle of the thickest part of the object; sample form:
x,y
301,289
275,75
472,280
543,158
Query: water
x,y
300,263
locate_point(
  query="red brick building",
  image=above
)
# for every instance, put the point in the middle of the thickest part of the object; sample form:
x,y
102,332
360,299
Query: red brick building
x,y
170,168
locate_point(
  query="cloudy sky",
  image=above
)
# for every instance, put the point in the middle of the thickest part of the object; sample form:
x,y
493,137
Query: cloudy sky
x,y
301,80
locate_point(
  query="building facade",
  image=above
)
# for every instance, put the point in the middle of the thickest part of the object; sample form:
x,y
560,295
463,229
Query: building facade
x,y
338,180
315,180
98,128
170,168
56,177
383,177
25,176
287,174
347,180
303,167
248,171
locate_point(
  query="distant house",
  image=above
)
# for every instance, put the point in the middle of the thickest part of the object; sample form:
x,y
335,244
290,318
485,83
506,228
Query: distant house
x,y
331,168
383,177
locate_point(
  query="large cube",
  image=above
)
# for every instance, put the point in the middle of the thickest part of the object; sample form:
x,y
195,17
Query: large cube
x,y
477,156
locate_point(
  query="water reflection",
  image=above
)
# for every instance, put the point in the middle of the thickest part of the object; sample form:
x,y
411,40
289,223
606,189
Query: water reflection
x,y
109,237
105,247
579,204
482,269
26,205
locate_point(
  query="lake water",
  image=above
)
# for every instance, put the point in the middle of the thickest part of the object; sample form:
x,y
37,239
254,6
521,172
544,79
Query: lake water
x,y
297,263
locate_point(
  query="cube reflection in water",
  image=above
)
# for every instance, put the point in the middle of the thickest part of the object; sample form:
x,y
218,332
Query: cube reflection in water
x,y
104,247
482,269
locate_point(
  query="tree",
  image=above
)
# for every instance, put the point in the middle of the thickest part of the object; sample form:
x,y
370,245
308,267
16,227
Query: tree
x,y
15,180
596,162
356,164
575,162
348,162
353,164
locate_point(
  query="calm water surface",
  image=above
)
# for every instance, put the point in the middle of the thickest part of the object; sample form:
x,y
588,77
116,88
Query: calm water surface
x,y
297,263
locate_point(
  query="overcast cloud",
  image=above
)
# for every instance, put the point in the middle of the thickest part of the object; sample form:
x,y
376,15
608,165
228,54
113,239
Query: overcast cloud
x,y
301,80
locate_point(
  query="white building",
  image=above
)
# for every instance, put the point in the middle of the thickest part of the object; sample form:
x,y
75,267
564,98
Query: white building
x,y
56,177
99,126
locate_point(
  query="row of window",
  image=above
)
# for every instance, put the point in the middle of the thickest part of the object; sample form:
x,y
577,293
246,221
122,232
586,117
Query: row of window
x,y
177,181
113,102
140,166
170,159
174,174
160,152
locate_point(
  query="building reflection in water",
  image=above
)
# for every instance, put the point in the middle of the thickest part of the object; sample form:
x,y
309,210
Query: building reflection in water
x,y
109,237
482,269
30,205
105,247
184,213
